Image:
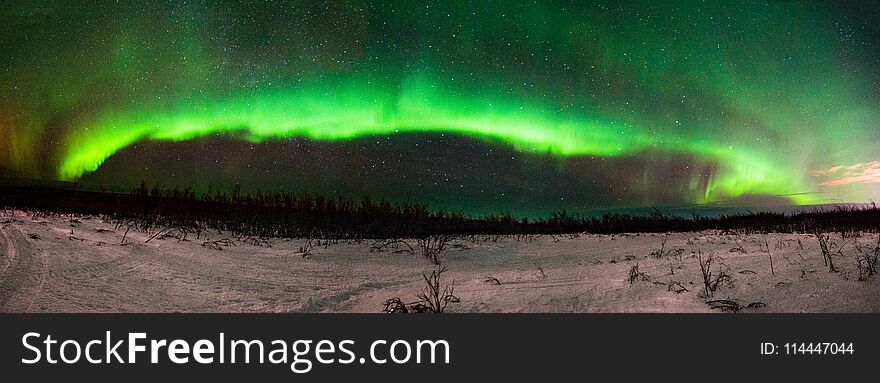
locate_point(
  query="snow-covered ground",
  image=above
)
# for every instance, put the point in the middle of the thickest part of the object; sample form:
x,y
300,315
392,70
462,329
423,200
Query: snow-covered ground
x,y
78,264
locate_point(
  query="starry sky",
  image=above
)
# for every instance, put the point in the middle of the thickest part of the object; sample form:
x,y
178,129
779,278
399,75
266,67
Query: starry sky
x,y
481,107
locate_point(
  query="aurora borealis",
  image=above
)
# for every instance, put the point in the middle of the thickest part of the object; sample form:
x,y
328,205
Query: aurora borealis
x,y
553,105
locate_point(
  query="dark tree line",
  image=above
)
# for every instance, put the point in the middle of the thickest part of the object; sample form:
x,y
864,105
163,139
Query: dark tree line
x,y
291,215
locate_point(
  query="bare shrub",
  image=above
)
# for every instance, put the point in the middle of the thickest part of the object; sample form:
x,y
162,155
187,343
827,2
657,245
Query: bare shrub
x,y
306,249
712,281
676,287
784,244
658,253
395,306
433,245
733,306
739,247
826,253
662,252
218,244
724,305
541,270
635,275
435,296
766,246
874,256
867,262
257,241
393,243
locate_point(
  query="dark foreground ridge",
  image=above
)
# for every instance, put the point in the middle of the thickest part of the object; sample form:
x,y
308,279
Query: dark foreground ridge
x,y
289,215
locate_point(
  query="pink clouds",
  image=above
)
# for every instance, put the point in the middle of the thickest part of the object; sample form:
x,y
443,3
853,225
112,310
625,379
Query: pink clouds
x,y
860,173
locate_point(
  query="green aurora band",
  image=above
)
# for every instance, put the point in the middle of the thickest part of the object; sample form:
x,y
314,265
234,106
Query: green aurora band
x,y
764,93
351,111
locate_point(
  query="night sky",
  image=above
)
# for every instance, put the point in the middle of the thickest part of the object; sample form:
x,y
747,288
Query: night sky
x,y
483,107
